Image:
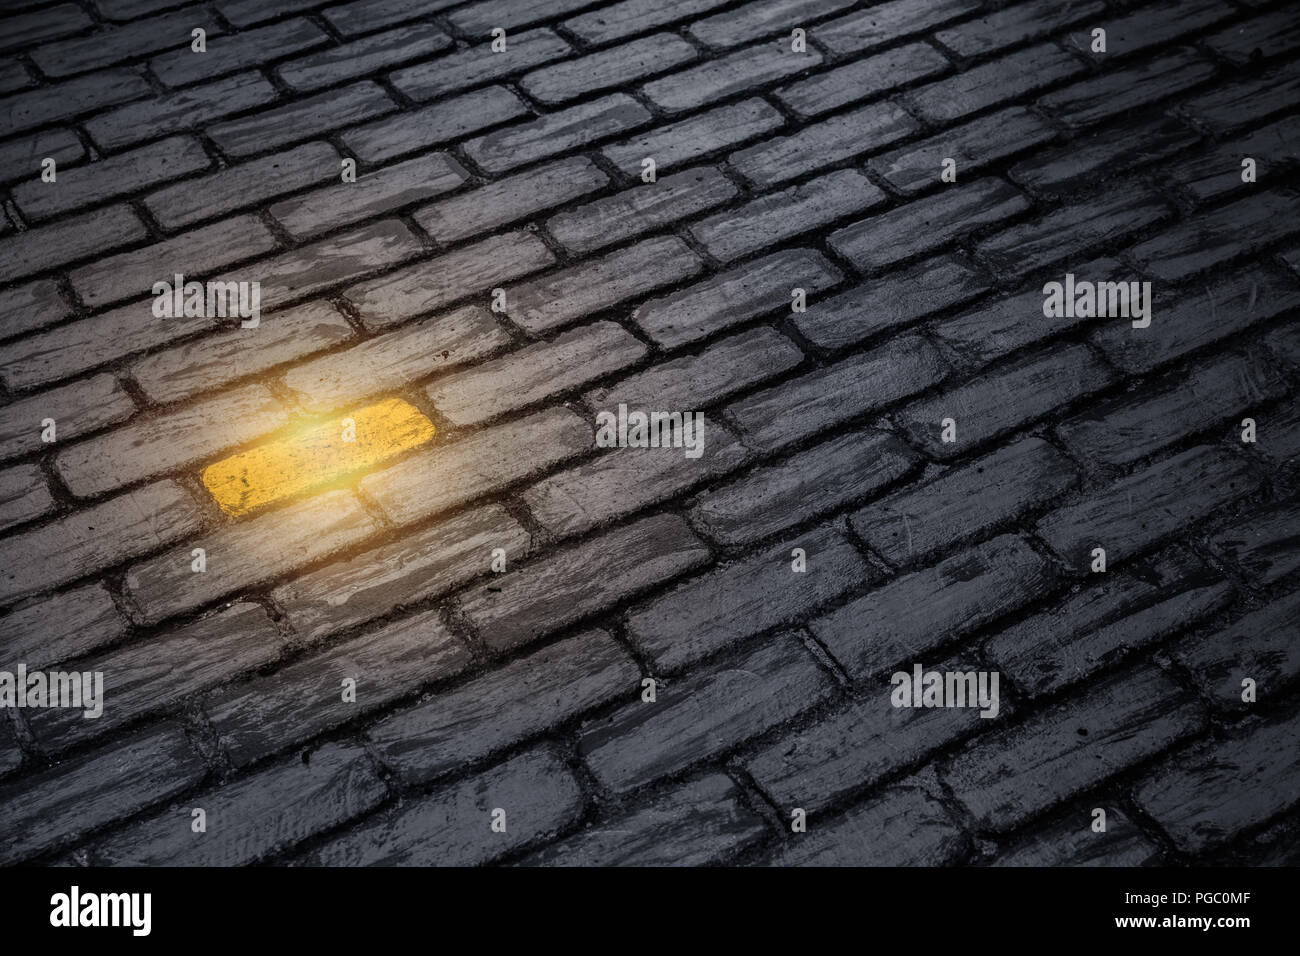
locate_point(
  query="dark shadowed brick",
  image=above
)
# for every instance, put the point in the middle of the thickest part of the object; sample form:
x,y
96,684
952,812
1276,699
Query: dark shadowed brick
x,y
885,22
361,57
611,67
240,51
1214,172
861,79
1014,25
68,239
634,16
112,44
678,143
1248,41
1261,645
1154,25
1265,545
59,628
474,65
21,157
1118,91
434,125
993,83
181,110
61,101
301,119
1073,843
728,75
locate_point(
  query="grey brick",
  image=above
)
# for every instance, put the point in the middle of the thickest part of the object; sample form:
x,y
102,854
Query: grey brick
x,y
51,807
184,109
861,79
248,49
370,54
302,700
823,143
1261,645
1212,792
10,754
77,409
37,26
1154,25
698,824
560,590
61,101
1014,25
731,297
634,16
31,306
1006,399
468,271
1073,843
245,185
754,20
301,119
363,16
523,699
704,715
990,84
1247,41
1214,172
1134,426
143,677
130,9
563,297
253,817
220,358
95,538
24,495
68,240
1107,621
59,628
885,22
480,17
109,45
487,461
1280,432
198,252
1136,512
974,145
908,617
779,216
818,400
13,76
728,75
1116,92
20,158
510,199
242,556
1264,545
558,132
1006,777
154,444
374,193
902,827
812,482
642,208
607,68
243,13
534,373
927,224
741,598
472,66
452,826
681,142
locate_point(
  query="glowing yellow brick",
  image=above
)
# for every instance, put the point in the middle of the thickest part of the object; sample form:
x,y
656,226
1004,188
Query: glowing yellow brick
x,y
316,455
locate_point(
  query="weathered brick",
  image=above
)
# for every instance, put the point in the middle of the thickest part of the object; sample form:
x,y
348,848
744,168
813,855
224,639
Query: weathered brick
x,y
534,373
1248,41
1216,171
1006,399
68,240
558,132
192,107
11,756
25,308
634,16
681,142
974,145
49,808
248,49
21,157
155,444
1263,545
1136,512
242,556
1279,436
434,283
1105,622
244,13
1072,231
363,16
77,409
728,75
1210,793
793,410
893,236
130,9
253,817
607,68
303,700
698,824
1014,25
218,359
372,53
989,84
487,461
34,27
902,827
1118,91
245,185
471,66
914,614
158,674
301,119
561,589
1006,777
451,827
1133,426
525,698
59,628
1154,25
1073,843
861,79
563,297
13,76
642,208
433,125
754,20
511,199
61,101
478,18
375,193
741,598
731,297
883,23
822,143
24,495
814,481
965,502
1261,645
95,538
109,45
779,216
